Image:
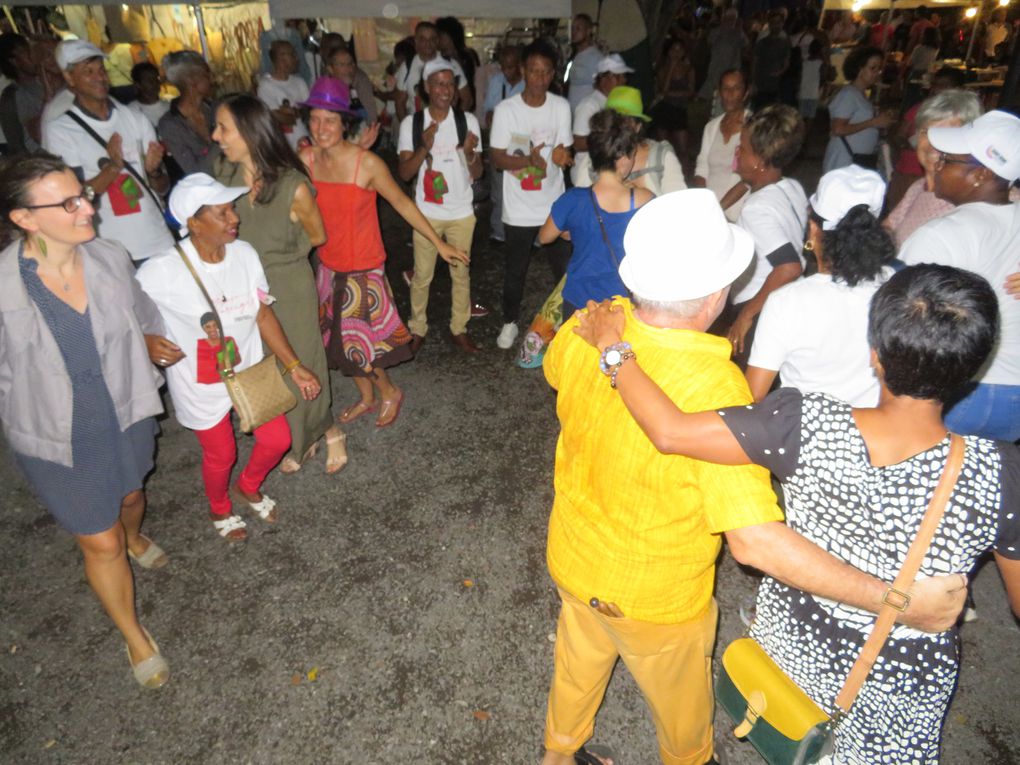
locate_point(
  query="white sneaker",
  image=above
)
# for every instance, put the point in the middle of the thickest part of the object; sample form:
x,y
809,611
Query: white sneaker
x,y
507,335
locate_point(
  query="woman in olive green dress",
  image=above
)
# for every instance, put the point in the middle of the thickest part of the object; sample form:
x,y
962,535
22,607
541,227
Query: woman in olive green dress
x,y
279,218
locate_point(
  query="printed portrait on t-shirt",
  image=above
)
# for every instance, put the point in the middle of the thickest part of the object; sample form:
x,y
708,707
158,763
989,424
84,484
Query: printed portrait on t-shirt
x,y
212,356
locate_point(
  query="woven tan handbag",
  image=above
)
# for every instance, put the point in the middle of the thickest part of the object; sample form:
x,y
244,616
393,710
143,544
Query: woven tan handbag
x,y
259,392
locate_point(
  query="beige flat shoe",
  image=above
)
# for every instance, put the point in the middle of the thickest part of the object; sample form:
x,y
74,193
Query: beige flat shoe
x,y
153,557
152,672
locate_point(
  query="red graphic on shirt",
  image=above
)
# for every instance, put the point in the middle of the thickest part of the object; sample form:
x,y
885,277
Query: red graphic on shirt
x,y
125,196
435,186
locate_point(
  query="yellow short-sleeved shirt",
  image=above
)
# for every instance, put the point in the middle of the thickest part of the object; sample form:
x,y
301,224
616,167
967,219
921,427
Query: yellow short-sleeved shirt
x,y
630,525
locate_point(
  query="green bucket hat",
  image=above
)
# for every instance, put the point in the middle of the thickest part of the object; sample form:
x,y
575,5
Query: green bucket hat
x,y
627,101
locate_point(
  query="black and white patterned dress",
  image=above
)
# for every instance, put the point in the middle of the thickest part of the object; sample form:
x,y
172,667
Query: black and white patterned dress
x,y
868,516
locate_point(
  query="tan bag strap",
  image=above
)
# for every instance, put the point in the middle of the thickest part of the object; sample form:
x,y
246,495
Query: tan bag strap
x,y
911,564
228,367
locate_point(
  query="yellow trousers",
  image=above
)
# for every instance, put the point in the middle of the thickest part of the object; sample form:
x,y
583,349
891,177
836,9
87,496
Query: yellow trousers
x,y
458,233
671,663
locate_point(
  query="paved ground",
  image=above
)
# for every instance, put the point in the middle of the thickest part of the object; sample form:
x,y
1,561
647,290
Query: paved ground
x,y
399,612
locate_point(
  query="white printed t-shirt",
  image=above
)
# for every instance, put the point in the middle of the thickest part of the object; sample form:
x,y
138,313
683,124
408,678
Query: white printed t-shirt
x,y
200,397
985,239
273,93
774,215
457,201
516,128
124,212
592,104
814,332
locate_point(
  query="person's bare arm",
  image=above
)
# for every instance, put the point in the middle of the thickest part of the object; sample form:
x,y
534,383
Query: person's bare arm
x,y
780,552
549,232
580,142
473,157
304,210
467,103
760,381
842,127
400,104
1009,570
381,180
731,197
782,274
503,161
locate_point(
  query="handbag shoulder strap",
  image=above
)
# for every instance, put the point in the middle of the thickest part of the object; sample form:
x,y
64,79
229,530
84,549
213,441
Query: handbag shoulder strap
x,y
127,165
602,226
911,564
229,368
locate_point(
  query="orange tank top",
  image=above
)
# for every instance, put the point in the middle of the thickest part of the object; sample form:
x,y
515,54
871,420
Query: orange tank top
x,y
349,214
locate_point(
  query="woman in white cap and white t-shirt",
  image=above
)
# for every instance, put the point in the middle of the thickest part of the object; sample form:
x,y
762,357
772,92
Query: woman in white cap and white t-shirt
x,y
813,332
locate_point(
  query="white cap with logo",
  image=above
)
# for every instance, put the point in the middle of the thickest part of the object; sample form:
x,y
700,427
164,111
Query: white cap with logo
x,y
71,52
613,64
844,188
680,247
194,192
438,64
993,139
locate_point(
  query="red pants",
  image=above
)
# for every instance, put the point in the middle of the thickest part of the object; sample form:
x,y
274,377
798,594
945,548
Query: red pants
x,y
219,453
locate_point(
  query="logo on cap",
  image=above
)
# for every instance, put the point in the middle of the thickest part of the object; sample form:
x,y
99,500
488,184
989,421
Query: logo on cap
x,y
992,153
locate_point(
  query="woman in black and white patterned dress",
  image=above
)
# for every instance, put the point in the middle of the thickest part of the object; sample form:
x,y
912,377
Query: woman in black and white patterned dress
x,y
857,484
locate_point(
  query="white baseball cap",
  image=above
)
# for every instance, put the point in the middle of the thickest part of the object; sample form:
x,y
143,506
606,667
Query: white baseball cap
x,y
71,52
680,247
194,192
614,64
844,188
438,64
993,139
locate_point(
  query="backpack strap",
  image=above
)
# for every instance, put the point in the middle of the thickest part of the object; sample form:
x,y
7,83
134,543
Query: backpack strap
x,y
461,122
417,128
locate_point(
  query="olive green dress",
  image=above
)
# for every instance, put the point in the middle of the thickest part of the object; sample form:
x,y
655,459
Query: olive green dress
x,y
283,248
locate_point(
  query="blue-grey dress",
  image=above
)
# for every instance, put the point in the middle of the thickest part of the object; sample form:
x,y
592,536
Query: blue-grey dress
x,y
107,463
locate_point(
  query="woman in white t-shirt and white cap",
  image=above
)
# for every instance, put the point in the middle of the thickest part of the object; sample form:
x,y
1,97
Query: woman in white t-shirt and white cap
x,y
194,353
975,168
813,332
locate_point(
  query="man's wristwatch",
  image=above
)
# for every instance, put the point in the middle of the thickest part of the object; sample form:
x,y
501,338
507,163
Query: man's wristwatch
x,y
612,359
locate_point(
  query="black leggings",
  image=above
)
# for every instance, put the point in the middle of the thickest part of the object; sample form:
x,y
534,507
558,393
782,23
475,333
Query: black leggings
x,y
519,240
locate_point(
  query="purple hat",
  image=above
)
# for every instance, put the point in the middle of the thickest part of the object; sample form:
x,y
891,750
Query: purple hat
x,y
330,94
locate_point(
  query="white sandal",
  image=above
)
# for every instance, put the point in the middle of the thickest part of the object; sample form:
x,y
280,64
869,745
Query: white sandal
x,y
230,524
152,672
264,508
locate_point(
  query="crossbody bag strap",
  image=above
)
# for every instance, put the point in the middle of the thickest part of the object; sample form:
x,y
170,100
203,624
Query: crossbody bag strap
x,y
229,368
127,165
911,564
602,226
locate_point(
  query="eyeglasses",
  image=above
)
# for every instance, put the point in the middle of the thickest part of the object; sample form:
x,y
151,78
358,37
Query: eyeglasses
x,y
944,159
71,204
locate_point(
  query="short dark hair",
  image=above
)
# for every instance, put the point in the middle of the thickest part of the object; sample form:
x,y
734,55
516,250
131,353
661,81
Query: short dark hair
x,y
141,68
776,133
953,77
425,25
612,136
10,42
737,71
205,318
858,247
541,48
17,175
932,328
856,60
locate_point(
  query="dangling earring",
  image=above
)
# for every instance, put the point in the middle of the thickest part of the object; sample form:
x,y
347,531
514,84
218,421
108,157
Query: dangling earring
x,y
809,245
41,244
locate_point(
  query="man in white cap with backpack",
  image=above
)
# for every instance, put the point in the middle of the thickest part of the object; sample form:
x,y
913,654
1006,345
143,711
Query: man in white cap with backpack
x,y
441,146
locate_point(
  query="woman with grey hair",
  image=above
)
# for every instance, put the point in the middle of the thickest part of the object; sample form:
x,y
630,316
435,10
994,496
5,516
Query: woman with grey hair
x,y
950,108
186,129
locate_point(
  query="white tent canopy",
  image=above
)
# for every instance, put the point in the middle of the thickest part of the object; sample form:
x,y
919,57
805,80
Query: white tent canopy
x,y
480,9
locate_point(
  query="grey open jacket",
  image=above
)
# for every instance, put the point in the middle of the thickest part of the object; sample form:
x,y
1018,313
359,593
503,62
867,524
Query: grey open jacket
x,y
35,389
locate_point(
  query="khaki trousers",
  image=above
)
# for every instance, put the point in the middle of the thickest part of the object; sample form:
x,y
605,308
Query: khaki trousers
x,y
671,663
458,233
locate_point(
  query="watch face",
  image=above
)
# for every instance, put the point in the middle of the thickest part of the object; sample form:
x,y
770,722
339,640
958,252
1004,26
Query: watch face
x,y
612,357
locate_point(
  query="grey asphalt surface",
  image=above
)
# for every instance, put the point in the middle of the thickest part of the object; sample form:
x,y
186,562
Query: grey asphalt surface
x,y
400,611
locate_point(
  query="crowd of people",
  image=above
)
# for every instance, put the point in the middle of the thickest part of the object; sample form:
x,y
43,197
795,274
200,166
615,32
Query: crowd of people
x,y
842,341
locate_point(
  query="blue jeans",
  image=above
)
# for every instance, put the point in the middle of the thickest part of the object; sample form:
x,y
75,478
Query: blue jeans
x,y
991,411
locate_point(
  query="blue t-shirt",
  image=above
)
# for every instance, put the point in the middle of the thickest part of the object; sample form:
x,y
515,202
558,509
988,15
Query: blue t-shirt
x,y
592,274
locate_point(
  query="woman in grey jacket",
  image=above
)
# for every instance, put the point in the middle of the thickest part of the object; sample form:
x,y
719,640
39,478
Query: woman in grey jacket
x,y
78,392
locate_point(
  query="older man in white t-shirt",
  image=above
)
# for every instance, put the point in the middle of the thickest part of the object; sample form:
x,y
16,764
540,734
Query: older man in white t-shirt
x,y
441,145
99,139
612,71
976,166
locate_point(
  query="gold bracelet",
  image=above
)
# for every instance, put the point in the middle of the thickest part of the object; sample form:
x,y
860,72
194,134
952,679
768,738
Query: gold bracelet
x,y
292,366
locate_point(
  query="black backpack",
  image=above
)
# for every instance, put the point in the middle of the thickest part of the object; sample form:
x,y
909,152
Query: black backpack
x,y
418,127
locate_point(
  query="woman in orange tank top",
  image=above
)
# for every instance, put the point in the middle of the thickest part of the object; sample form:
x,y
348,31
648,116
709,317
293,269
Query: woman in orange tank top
x,y
362,330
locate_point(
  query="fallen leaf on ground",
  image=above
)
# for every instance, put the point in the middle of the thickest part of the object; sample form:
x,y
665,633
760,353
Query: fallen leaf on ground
x,y
50,744
481,714
295,680
313,674
468,583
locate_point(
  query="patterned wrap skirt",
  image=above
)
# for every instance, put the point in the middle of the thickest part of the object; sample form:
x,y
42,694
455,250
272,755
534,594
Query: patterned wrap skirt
x,y
361,327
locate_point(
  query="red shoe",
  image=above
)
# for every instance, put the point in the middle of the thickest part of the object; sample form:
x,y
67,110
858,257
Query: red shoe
x,y
478,310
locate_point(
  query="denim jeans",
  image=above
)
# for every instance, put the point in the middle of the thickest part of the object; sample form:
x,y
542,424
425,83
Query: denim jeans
x,y
991,411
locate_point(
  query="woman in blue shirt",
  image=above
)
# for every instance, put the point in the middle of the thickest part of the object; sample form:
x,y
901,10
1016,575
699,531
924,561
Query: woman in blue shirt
x,y
595,218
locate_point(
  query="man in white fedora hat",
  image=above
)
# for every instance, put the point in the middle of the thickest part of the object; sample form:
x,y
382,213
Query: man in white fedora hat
x,y
634,533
